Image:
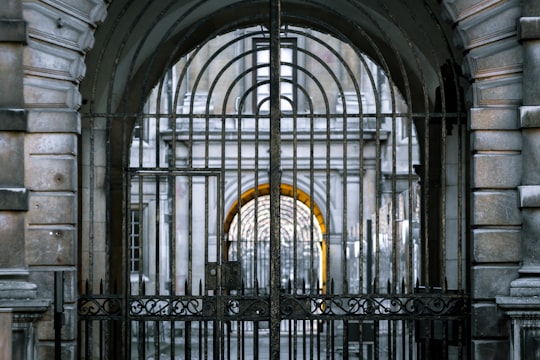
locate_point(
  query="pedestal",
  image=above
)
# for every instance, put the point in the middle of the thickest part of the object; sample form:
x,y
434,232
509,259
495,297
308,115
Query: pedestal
x,y
524,312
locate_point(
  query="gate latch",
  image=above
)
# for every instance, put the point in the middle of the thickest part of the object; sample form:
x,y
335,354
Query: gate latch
x,y
231,278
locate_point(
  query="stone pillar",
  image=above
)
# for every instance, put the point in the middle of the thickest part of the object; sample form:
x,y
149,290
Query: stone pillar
x,y
523,304
59,35
13,194
17,293
5,334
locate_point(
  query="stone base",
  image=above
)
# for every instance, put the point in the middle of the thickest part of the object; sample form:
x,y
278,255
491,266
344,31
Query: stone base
x,y
525,287
21,309
524,311
11,289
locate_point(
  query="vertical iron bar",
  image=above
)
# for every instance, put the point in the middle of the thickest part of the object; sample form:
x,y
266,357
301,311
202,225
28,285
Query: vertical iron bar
x,y
275,178
187,324
443,190
410,326
376,338
391,338
460,208
378,199
318,340
295,337
87,330
369,257
311,341
290,338
425,202
202,343
332,338
345,280
345,340
102,340
91,233
58,313
256,239
228,339
240,348
256,329
403,339
244,323
206,221
304,339
326,237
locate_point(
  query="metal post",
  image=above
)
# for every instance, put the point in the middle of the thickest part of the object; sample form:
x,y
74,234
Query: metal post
x,y
275,178
58,313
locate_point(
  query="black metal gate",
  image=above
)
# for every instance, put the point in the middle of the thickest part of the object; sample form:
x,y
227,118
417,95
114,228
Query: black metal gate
x,y
281,198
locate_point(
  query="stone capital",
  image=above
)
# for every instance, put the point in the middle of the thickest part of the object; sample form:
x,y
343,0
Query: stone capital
x,y
529,196
13,30
529,28
529,116
14,199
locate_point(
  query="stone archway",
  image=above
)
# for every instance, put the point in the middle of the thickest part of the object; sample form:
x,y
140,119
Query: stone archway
x,y
44,47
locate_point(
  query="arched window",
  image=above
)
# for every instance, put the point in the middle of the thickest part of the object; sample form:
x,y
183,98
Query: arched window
x,y
301,245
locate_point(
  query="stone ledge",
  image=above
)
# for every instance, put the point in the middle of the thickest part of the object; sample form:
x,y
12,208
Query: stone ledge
x,y
526,287
13,120
16,289
529,196
529,28
13,30
15,199
25,305
518,303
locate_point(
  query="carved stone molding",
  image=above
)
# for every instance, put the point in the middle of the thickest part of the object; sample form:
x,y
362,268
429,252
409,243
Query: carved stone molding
x,y
53,62
491,24
58,28
47,94
500,58
458,10
91,11
505,91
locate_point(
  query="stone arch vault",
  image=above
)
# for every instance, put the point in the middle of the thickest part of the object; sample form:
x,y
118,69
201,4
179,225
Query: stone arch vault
x,y
49,53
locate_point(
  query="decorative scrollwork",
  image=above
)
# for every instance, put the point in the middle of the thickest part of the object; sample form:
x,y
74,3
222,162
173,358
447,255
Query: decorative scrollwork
x,y
374,306
165,306
404,306
100,306
247,307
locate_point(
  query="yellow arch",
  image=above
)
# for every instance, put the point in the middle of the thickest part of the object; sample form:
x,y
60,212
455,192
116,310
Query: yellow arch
x,y
264,189
287,190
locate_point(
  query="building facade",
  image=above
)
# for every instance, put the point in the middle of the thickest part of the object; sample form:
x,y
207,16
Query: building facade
x,y
75,75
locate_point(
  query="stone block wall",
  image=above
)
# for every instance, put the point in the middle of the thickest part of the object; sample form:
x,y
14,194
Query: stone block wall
x,y
42,48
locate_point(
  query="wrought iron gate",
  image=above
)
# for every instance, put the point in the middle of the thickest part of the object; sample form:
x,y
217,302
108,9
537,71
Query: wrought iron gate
x,y
281,199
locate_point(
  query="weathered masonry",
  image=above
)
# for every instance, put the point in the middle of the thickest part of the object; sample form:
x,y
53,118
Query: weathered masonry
x,y
387,151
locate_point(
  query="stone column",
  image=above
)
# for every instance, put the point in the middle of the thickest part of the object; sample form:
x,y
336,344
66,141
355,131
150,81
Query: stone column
x,y
523,304
13,194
